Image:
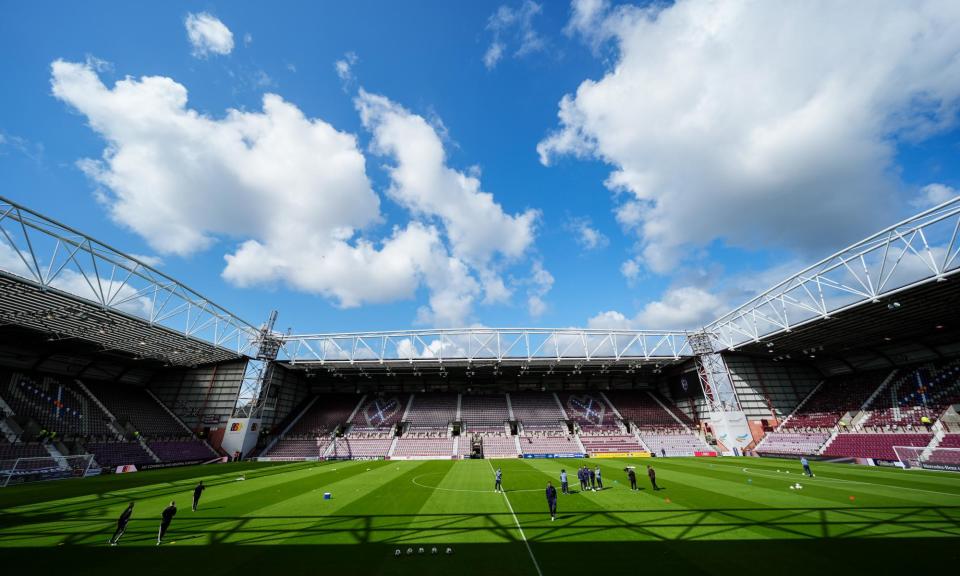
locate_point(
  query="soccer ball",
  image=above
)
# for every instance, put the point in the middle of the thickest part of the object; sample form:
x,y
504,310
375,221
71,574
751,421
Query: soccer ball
x,y
409,551
433,550
396,552
792,487
798,486
449,550
420,551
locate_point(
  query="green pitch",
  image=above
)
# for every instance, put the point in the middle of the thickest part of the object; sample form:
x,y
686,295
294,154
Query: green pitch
x,y
713,516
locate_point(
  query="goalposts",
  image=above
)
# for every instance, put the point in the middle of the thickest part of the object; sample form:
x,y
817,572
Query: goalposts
x,y
936,459
20,470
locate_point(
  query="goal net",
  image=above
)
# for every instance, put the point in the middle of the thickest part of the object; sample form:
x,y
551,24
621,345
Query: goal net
x,y
20,470
935,459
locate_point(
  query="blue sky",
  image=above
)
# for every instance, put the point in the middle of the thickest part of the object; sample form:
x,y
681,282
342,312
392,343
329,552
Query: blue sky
x,y
646,167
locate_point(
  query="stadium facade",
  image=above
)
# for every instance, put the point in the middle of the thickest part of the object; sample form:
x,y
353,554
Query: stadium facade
x,y
857,356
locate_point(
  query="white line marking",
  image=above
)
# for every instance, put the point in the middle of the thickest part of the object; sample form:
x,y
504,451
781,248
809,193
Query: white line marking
x,y
828,479
520,528
460,489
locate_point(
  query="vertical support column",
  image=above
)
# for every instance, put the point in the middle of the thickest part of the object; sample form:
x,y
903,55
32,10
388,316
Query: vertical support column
x,y
727,419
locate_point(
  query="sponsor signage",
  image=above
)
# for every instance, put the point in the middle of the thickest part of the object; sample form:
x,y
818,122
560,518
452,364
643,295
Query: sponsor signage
x,y
641,454
560,455
126,468
711,453
940,466
170,464
287,459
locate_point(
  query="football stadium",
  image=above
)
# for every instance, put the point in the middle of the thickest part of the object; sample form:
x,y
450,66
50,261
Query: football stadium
x,y
808,424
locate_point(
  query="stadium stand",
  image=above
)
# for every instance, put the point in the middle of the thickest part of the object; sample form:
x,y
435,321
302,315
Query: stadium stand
x,y
590,411
484,412
673,442
136,406
498,446
834,398
55,405
10,451
537,411
300,448
548,443
605,443
110,454
941,454
181,450
369,446
873,445
432,411
378,413
323,417
923,391
421,445
797,443
643,410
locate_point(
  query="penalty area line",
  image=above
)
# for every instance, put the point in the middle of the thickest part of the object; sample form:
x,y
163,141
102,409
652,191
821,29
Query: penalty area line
x,y
520,528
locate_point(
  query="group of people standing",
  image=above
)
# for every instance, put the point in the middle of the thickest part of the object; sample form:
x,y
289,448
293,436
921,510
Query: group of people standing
x,y
590,479
166,517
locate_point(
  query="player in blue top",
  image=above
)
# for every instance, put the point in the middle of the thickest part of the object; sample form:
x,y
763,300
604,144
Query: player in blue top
x,y
564,486
552,501
593,478
497,487
599,479
806,466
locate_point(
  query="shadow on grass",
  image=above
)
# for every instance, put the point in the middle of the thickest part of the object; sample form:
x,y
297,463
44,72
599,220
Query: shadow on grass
x,y
841,523
783,557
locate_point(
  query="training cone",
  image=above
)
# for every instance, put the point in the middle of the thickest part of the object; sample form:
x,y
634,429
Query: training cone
x,y
852,498
667,500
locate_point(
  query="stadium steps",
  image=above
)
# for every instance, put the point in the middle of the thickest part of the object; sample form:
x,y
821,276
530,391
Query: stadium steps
x,y
798,407
170,412
516,439
580,445
396,439
356,408
939,431
113,423
669,411
612,407
276,438
143,444
509,407
406,411
864,416
560,405
459,406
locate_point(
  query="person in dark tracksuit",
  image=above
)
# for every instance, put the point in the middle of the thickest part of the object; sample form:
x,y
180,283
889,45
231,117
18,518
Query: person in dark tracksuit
x,y
196,494
599,479
564,485
593,478
122,524
497,487
165,519
632,475
653,476
552,501
580,477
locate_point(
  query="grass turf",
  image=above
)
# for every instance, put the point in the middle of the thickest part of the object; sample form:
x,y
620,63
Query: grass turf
x,y
713,516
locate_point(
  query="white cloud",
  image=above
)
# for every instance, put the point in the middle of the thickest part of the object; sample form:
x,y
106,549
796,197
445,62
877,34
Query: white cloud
x,y
294,189
630,270
933,195
476,225
152,261
344,67
685,307
514,26
208,34
585,234
493,55
540,283
293,192
247,39
770,123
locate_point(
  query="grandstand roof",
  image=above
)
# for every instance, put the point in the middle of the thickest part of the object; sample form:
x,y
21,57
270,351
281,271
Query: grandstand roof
x,y
67,285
